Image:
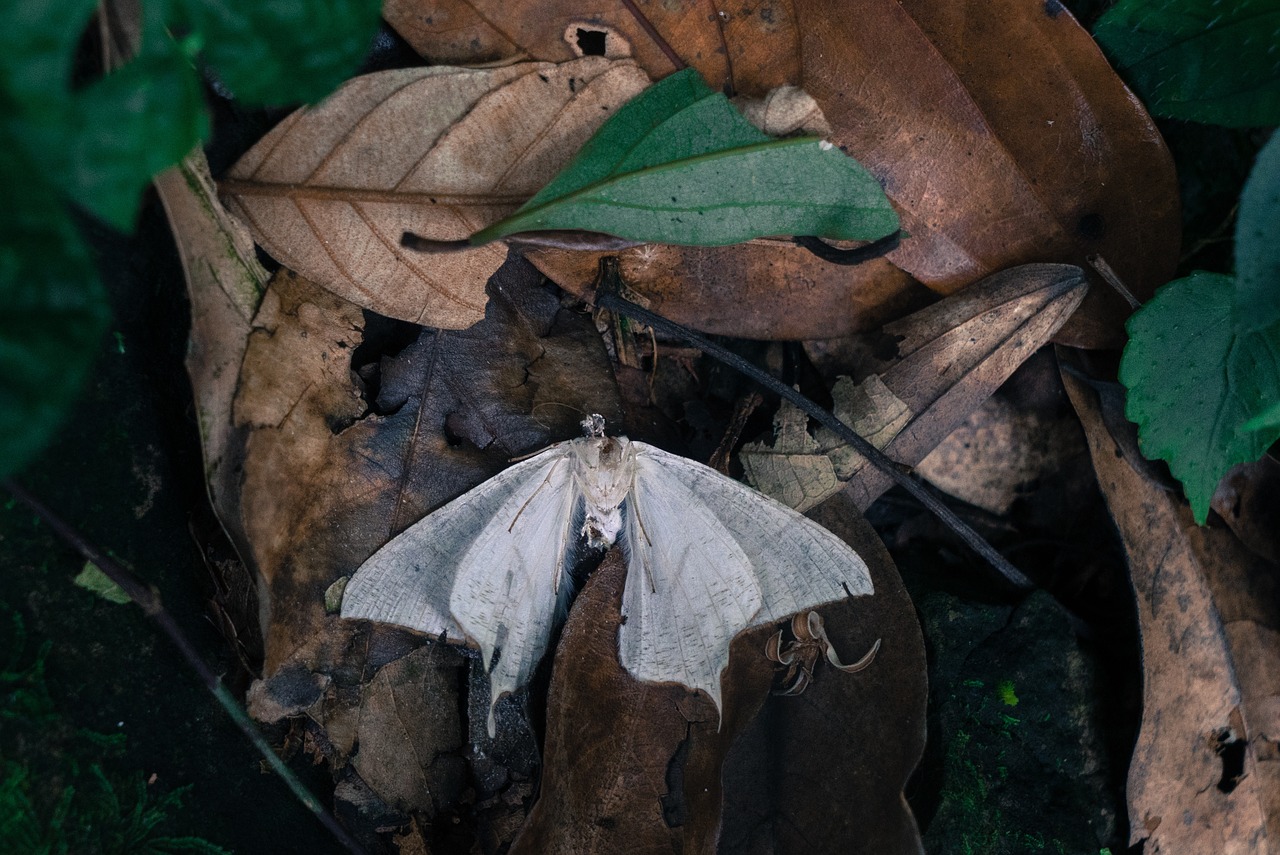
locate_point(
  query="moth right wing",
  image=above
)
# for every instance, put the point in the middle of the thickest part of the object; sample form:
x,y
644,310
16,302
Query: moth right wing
x,y
412,580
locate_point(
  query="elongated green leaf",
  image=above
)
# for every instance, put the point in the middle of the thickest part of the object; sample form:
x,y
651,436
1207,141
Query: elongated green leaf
x,y
1257,302
1204,60
1194,381
679,164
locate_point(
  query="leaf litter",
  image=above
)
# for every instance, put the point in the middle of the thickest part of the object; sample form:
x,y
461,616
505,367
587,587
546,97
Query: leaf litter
x,y
378,392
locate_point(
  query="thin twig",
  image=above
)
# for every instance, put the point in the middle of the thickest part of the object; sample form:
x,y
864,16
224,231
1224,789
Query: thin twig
x,y
148,599
652,32
607,297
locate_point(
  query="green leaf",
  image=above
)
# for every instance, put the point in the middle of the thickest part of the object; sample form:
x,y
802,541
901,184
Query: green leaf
x,y
54,310
678,164
1194,381
1257,302
284,51
95,581
1267,420
1204,60
132,124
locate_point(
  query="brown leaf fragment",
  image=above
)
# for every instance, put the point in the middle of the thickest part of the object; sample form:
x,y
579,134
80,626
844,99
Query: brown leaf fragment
x,y
641,767
1205,774
999,454
945,360
1248,500
742,47
357,426
440,152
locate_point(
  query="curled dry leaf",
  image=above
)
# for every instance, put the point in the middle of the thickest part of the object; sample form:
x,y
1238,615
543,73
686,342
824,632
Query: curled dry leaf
x,y
949,358
441,152
1205,774
356,427
632,766
999,131
798,655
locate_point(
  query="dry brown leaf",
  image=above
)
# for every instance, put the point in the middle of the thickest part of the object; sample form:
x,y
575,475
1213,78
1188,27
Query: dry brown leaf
x,y
746,48
948,359
356,427
999,131
225,283
440,152
642,767
1246,500
1205,774
999,454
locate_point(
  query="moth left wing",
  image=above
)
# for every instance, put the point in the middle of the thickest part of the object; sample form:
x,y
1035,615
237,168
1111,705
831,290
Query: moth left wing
x,y
710,557
486,566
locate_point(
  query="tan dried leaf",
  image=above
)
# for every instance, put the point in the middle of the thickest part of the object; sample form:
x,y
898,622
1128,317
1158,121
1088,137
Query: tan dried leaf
x,y
1205,774
999,453
802,470
440,152
949,358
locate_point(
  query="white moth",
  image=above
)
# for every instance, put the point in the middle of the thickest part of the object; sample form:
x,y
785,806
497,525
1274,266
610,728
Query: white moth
x,y
707,557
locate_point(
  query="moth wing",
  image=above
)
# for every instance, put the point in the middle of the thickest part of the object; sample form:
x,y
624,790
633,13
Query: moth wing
x,y
466,548
710,557
506,584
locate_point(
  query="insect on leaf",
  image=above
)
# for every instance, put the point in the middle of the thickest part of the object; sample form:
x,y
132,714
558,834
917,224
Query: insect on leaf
x,y
679,164
707,558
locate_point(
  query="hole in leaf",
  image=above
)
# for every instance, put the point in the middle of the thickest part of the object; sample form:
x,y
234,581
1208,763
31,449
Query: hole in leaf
x,y
1230,750
384,338
591,42
1091,226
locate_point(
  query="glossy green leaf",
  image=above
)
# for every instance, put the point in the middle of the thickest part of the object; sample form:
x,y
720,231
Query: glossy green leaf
x,y
284,51
678,164
1257,303
52,311
1204,60
1194,381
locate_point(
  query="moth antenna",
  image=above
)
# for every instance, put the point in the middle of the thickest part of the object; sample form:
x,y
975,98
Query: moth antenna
x,y
552,471
548,404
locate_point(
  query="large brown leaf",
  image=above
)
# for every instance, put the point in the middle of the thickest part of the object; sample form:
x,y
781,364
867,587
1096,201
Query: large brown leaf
x,y
1205,774
638,767
440,152
357,427
999,131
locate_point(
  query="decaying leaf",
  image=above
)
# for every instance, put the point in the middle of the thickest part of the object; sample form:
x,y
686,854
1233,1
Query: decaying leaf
x,y
798,655
441,152
998,455
949,358
225,283
990,165
357,427
802,469
1205,774
632,766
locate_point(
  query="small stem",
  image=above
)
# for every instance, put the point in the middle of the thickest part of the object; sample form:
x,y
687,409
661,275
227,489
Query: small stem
x,y
148,599
857,255
607,297
1098,263
652,32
